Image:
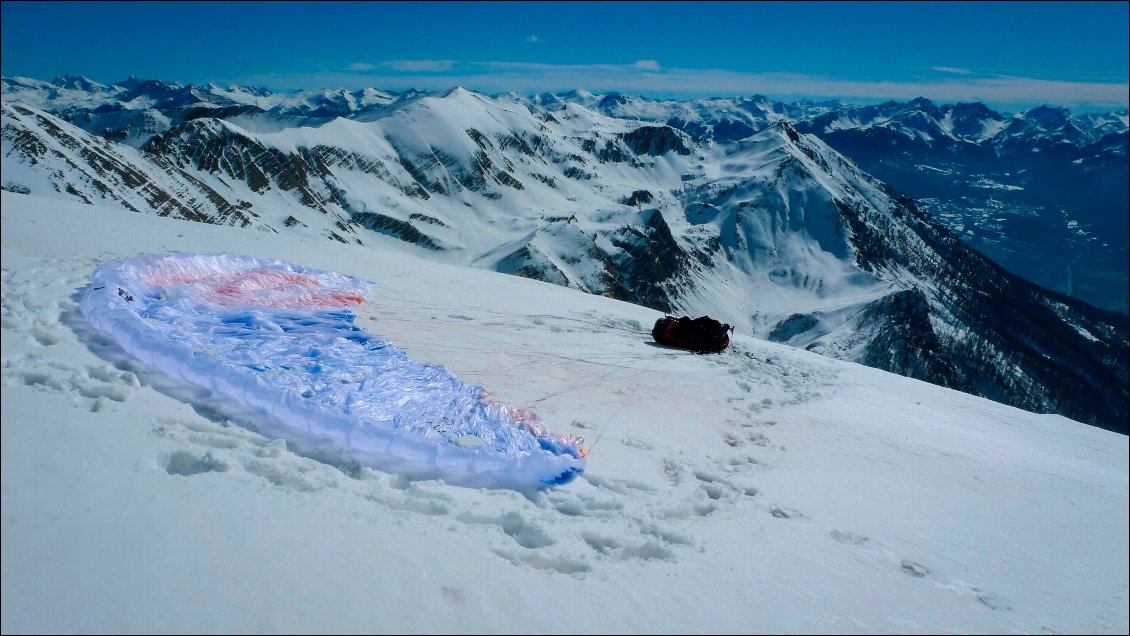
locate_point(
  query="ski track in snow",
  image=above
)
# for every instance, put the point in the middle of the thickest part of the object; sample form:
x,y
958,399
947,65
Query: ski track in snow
x,y
578,530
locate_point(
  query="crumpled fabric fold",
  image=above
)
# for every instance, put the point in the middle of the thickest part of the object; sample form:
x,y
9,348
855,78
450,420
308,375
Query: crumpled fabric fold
x,y
281,338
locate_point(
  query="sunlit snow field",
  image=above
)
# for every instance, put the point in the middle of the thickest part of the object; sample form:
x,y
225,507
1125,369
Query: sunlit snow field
x,y
762,489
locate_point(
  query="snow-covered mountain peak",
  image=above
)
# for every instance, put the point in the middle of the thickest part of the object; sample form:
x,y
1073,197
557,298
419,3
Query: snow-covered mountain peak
x,y
963,110
579,94
1050,116
924,105
129,83
458,92
72,82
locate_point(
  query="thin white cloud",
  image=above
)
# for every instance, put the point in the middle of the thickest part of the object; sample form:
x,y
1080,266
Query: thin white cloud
x,y
418,66
641,78
360,66
952,69
532,39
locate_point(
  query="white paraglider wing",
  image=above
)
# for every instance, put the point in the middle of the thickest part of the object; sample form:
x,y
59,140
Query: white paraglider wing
x,y
280,338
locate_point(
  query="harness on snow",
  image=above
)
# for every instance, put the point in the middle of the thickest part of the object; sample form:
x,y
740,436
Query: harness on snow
x,y
701,335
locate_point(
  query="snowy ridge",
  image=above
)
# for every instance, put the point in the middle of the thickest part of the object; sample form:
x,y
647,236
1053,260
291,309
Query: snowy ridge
x,y
98,170
775,232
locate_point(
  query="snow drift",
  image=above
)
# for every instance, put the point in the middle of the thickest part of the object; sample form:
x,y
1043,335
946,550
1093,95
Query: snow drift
x,y
280,339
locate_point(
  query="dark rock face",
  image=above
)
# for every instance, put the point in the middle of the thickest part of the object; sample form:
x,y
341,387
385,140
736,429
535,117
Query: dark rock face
x,y
106,173
654,265
207,146
655,140
649,266
402,230
638,198
905,341
523,262
793,326
1020,344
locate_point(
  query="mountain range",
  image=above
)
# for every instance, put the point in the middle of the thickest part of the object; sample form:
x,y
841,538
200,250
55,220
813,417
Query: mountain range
x,y
810,224
1042,192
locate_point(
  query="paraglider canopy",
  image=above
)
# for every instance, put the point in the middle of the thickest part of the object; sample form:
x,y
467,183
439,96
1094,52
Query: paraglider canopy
x,y
280,338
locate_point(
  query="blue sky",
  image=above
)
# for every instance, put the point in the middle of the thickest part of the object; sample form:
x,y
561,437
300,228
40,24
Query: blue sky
x,y
1010,54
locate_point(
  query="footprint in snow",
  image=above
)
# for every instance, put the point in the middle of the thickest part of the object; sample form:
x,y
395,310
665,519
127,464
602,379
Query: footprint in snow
x,y
847,538
993,602
917,570
185,463
782,512
636,443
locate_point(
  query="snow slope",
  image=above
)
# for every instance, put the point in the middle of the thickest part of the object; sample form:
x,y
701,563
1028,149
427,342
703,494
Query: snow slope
x,y
763,489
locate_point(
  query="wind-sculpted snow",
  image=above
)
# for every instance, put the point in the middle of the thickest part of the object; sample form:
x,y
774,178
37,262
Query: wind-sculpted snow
x,y
279,338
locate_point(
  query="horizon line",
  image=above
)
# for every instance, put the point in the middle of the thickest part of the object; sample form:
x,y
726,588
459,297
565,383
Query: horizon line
x,y
647,80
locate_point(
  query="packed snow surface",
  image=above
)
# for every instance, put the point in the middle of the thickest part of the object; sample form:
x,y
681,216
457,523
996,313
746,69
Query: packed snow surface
x,y
763,489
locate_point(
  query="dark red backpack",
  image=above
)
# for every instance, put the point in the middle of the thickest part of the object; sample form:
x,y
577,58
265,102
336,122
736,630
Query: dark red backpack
x,y
701,335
